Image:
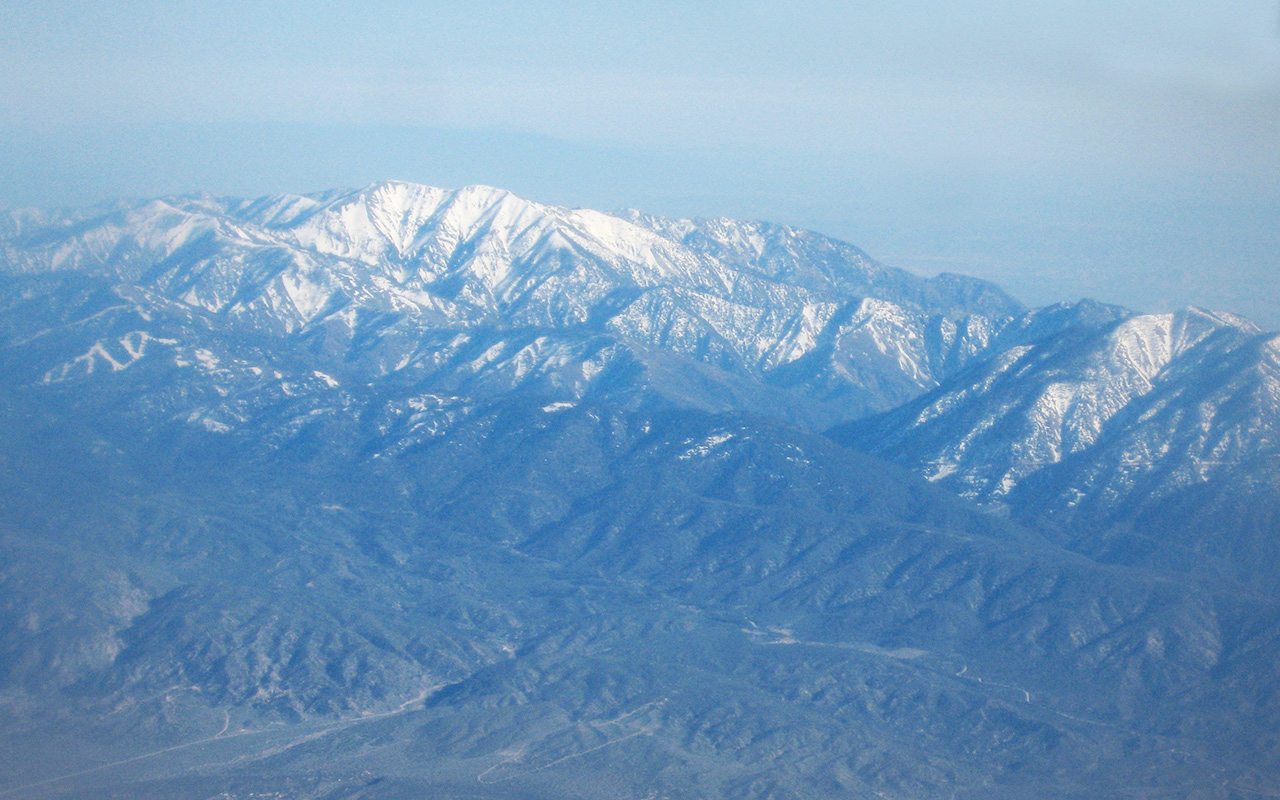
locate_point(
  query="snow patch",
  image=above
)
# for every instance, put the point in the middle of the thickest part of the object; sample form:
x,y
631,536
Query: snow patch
x,y
214,426
134,345
206,358
706,446
941,469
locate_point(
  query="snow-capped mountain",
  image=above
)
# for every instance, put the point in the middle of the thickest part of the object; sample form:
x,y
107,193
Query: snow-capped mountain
x,y
1095,418
363,303
407,492
399,278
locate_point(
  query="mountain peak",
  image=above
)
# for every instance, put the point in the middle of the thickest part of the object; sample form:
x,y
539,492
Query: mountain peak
x,y
747,298
433,467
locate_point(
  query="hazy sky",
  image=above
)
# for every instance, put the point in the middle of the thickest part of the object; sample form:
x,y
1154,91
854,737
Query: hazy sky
x,y
1127,150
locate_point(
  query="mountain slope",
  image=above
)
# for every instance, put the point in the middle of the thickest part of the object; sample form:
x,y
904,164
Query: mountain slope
x,y
365,274
1158,435
1172,397
404,492
576,601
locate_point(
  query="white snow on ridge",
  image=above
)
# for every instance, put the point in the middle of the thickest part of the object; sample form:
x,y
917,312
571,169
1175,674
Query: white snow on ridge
x,y
485,291
1034,406
706,447
134,345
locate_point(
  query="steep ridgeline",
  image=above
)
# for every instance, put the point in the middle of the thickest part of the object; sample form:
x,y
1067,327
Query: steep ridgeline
x,y
404,492
481,292
1111,417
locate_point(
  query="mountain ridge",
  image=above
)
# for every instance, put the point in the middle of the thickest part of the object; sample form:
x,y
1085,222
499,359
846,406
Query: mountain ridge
x,y
329,266
401,492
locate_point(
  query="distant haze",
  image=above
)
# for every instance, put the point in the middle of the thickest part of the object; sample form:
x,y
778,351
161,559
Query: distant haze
x,y
1127,151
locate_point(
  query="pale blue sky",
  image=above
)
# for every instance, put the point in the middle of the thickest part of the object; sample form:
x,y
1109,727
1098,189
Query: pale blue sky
x,y
1128,151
